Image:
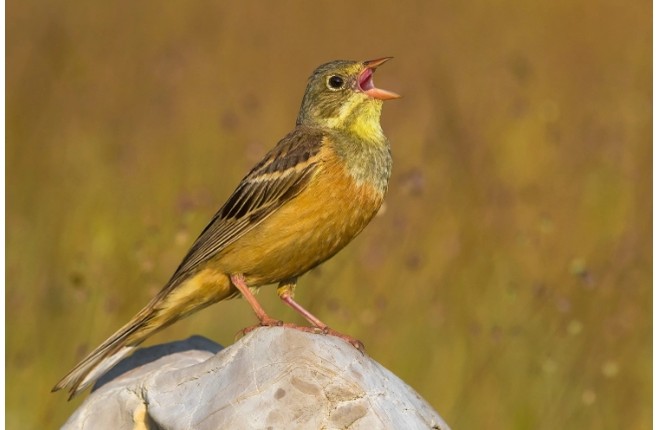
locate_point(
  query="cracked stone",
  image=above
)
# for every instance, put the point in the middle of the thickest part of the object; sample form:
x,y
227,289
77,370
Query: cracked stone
x,y
272,378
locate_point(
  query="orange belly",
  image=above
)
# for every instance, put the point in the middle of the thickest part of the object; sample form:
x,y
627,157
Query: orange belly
x,y
306,231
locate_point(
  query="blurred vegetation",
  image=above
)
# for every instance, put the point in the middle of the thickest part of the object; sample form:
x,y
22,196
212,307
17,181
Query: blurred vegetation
x,y
508,279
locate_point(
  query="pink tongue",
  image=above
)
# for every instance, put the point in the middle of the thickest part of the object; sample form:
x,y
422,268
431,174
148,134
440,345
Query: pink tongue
x,y
367,82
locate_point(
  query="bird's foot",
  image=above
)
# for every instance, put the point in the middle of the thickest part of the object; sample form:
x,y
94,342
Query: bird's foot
x,y
357,344
270,322
265,322
327,331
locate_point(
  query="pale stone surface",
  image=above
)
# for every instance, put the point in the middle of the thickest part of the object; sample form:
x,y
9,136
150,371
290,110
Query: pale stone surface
x,y
273,378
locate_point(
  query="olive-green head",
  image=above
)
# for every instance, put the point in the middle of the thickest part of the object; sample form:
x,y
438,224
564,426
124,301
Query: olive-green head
x,y
341,95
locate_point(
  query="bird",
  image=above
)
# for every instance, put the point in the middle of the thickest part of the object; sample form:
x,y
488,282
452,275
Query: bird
x,y
302,203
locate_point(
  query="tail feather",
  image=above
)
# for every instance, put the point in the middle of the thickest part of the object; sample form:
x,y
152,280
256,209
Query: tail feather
x,y
171,304
110,352
88,372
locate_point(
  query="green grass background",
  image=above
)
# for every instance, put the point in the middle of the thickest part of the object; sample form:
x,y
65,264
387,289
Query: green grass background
x,y
508,278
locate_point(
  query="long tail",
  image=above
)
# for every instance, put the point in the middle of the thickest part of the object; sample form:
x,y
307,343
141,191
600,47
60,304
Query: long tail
x,y
171,304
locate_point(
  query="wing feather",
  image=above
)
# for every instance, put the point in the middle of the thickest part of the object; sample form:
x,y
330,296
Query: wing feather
x,y
278,178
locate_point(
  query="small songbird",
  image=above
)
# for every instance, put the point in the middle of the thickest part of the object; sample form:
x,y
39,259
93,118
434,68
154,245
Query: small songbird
x,y
309,197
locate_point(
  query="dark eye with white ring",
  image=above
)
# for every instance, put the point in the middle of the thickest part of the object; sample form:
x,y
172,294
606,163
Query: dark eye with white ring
x,y
335,82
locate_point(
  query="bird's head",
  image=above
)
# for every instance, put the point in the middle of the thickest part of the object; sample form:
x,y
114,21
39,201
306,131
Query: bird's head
x,y
341,95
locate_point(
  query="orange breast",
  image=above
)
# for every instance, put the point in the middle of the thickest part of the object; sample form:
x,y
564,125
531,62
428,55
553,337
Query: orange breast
x,y
308,230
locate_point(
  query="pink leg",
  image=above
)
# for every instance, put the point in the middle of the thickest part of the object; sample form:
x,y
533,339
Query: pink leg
x,y
286,294
265,320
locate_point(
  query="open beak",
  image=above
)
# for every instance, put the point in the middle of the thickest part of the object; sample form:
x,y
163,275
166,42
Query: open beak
x,y
366,81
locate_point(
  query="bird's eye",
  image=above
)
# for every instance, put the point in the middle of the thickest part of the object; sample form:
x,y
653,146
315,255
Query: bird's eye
x,y
335,82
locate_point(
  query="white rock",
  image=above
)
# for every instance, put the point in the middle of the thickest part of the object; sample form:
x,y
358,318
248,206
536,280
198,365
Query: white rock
x,y
273,378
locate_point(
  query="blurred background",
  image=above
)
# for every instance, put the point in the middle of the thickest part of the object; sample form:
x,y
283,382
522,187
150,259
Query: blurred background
x,y
508,278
